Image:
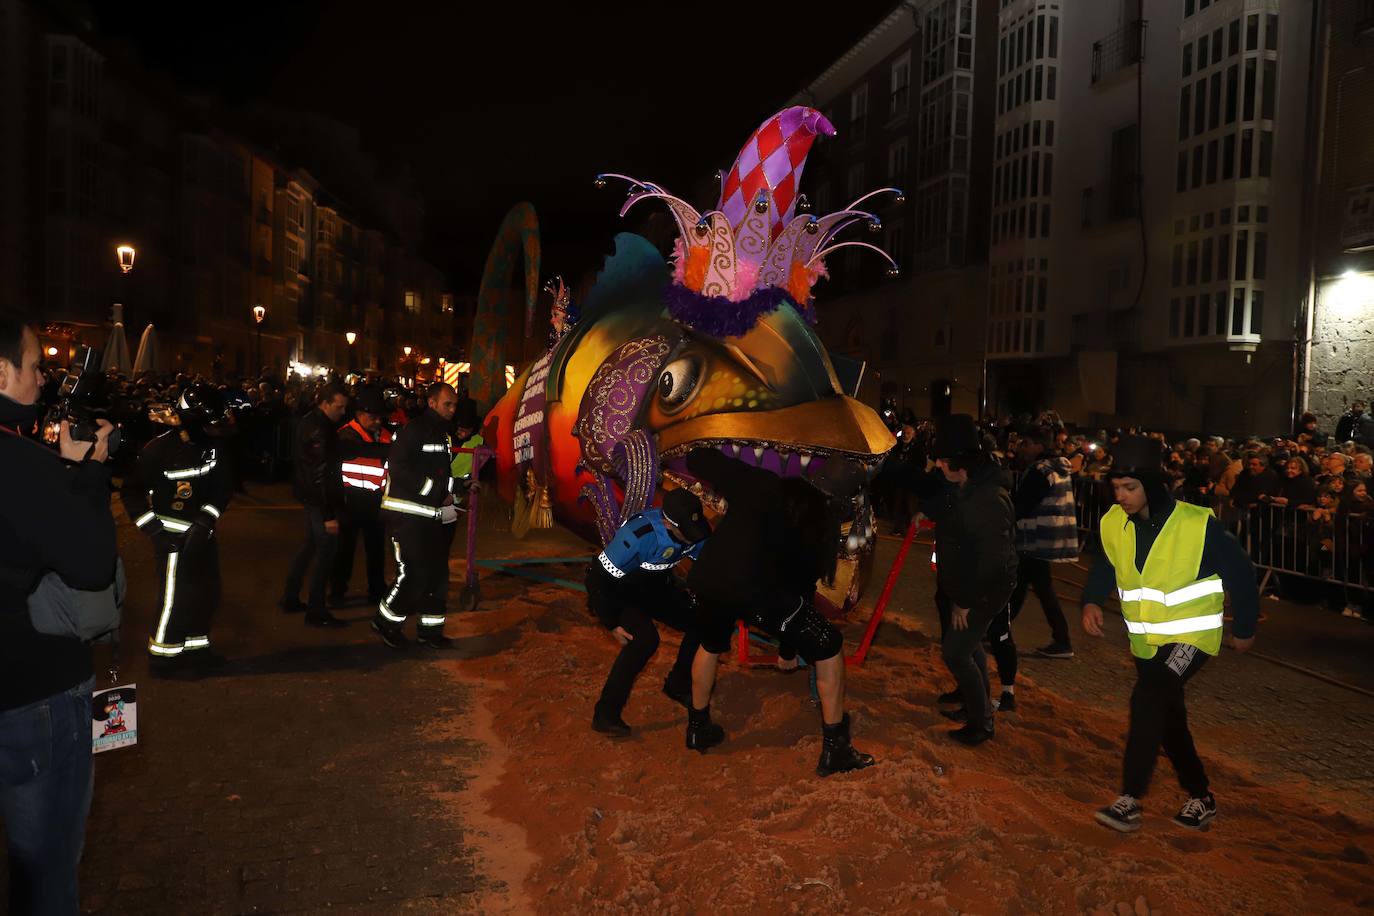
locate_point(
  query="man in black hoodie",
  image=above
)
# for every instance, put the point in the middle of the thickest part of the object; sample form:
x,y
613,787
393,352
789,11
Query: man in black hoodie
x,y
54,517
975,559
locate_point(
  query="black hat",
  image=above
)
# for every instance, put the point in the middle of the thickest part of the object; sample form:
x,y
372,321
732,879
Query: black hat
x,y
1136,455
465,414
955,434
369,400
684,510
198,404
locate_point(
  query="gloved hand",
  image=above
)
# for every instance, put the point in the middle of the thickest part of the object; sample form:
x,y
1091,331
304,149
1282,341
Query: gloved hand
x,y
447,515
198,536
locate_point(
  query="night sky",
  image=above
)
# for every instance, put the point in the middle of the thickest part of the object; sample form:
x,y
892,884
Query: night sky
x,y
484,105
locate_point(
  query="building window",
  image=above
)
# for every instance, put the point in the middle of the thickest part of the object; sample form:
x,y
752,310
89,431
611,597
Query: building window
x,y
1224,261
446,303
1247,153
858,111
1268,89
1199,106
1233,39
293,255
897,162
1256,310
1252,32
1197,166
1212,162
1248,111
1125,173
1188,60
1228,157
1271,32
1205,275
412,302
1266,153
1214,102
901,85
1242,254
1260,262
1231,79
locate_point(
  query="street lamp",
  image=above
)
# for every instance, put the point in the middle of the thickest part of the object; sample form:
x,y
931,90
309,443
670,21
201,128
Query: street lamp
x,y
259,315
126,257
350,337
406,351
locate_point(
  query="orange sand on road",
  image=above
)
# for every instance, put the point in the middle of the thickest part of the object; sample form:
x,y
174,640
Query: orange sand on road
x,y
643,826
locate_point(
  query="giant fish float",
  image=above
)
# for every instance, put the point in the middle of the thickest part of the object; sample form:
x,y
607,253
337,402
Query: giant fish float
x,y
715,348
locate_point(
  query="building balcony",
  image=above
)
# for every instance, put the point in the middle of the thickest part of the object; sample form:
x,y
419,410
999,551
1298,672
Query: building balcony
x,y
1123,48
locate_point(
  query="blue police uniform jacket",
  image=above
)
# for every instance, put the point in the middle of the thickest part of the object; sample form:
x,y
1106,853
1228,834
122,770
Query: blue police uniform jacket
x,y
643,545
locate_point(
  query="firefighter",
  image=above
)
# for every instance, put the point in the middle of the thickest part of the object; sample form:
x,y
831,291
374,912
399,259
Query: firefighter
x,y
179,490
420,502
364,443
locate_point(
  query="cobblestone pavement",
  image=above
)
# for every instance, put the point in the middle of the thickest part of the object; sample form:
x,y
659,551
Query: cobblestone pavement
x,y
319,771
1286,725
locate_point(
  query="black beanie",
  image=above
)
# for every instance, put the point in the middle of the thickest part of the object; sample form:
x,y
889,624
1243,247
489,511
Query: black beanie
x,y
1137,455
955,435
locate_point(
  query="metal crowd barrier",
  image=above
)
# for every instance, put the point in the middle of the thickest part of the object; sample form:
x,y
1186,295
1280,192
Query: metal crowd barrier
x,y
1289,541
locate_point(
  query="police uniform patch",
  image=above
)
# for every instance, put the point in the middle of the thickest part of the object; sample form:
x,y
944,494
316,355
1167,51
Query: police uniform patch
x,y
178,505
183,489
667,552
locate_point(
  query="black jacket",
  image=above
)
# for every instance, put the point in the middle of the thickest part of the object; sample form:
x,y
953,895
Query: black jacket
x,y
419,476
750,560
53,517
316,479
975,535
178,482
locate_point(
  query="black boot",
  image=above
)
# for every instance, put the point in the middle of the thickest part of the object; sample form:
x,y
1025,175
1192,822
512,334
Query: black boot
x,y
837,754
702,733
678,693
973,734
609,724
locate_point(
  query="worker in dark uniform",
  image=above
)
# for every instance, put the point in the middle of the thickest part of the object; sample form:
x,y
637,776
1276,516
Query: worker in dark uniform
x,y
176,496
975,553
777,538
631,585
364,444
1171,564
420,503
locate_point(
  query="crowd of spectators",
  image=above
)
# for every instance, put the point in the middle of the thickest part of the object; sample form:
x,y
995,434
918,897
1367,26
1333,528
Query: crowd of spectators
x,y
1301,504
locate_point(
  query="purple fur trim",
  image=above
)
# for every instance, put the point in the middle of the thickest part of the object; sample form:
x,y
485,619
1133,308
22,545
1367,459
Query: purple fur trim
x,y
717,316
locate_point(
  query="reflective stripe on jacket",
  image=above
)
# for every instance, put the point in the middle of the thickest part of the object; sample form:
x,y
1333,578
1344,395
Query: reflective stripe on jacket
x,y
1166,602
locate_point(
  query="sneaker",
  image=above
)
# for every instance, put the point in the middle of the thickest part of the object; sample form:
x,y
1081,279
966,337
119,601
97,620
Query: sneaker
x,y
971,735
392,636
1122,814
951,696
1055,650
1006,703
1196,813
1357,615
1348,612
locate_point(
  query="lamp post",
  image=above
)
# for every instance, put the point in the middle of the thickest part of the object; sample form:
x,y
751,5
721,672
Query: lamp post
x,y
259,315
351,337
125,253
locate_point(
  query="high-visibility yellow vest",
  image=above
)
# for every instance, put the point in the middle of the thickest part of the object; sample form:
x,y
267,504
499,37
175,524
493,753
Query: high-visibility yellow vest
x,y
1166,602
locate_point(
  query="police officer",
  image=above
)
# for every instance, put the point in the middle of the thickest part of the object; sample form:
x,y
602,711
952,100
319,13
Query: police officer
x,y
176,496
632,585
364,444
419,499
1171,564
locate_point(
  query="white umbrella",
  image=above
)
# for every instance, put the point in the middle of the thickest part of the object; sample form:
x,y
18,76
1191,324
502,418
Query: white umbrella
x,y
116,355
147,359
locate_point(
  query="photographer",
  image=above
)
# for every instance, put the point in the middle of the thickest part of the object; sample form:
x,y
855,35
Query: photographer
x,y
54,517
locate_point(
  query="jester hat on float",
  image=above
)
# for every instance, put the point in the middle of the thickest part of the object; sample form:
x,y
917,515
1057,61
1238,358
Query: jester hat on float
x,y
753,254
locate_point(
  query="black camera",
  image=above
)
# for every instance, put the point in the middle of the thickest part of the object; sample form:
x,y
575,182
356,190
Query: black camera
x,y
81,401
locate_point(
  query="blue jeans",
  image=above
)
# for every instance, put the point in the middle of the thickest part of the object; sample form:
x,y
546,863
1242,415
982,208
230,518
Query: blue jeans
x,y
46,780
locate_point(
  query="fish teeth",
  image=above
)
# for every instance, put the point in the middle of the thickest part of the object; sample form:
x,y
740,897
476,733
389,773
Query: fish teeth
x,y
758,454
805,462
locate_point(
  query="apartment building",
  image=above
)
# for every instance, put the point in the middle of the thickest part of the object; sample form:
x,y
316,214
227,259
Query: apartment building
x,y
912,106
1148,178
95,153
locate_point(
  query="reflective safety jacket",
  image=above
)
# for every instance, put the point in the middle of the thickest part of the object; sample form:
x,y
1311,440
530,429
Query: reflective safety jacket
x,y
1165,601
418,477
178,482
362,460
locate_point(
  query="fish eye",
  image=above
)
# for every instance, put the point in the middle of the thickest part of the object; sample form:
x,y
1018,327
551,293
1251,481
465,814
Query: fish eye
x,y
678,382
